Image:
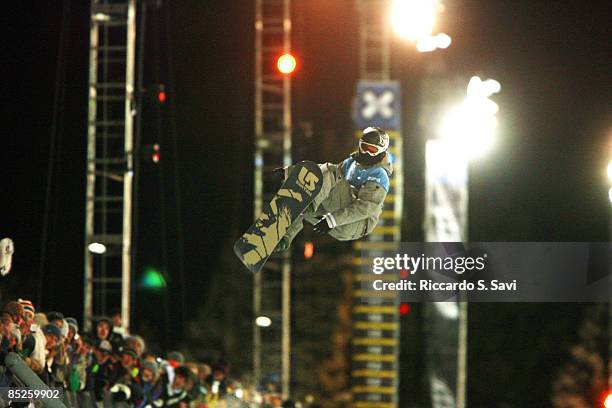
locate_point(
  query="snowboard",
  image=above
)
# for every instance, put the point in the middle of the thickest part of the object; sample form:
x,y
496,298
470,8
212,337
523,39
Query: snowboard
x,y
300,188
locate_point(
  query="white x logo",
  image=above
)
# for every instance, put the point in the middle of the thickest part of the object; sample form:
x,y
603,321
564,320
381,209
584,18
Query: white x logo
x,y
377,104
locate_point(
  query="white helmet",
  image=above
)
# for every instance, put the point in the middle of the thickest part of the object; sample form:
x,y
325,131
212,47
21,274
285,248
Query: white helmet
x,y
373,141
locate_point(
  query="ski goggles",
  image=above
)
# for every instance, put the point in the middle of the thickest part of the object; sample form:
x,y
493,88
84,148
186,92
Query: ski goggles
x,y
370,149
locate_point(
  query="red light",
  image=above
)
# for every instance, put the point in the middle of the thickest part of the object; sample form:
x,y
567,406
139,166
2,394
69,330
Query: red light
x,y
161,96
404,309
286,64
308,250
156,155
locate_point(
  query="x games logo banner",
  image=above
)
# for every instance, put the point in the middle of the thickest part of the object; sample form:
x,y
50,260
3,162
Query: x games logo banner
x,y
378,103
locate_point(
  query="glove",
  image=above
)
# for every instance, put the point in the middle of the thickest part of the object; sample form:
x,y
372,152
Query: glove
x,y
326,223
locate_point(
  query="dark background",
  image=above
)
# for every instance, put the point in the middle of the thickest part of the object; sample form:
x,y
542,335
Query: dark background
x,y
544,181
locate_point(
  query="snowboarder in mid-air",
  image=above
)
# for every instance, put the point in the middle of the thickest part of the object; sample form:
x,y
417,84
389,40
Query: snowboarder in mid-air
x,y
352,194
343,200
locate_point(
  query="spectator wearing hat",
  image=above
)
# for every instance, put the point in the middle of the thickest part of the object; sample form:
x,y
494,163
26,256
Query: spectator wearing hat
x,y
32,350
101,370
56,318
73,328
28,315
175,359
59,365
136,343
127,375
127,370
72,339
52,335
52,338
79,361
151,389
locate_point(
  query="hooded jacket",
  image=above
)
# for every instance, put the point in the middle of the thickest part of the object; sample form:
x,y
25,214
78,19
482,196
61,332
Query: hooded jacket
x,y
356,201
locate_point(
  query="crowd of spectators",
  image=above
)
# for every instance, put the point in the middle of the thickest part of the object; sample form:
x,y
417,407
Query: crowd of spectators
x,y
105,366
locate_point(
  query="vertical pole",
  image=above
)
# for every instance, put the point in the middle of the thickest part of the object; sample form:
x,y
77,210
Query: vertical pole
x,y
287,130
610,297
462,355
126,261
90,174
462,331
257,202
286,341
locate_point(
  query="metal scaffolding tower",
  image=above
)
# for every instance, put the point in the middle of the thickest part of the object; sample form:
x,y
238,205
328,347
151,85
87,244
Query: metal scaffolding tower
x,y
272,285
375,342
108,217
373,39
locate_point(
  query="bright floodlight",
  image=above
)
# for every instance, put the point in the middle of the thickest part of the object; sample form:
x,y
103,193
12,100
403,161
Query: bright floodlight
x,y
263,321
96,248
286,63
608,401
432,43
470,127
610,197
414,19
610,171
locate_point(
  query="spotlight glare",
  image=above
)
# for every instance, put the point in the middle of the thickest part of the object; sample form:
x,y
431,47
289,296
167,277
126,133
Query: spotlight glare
x,y
414,19
471,126
443,40
432,43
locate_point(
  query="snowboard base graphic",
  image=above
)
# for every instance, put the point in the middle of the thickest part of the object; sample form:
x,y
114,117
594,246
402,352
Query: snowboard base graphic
x,y
295,195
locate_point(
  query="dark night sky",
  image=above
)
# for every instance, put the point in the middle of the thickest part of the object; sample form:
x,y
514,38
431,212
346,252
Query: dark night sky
x,y
545,180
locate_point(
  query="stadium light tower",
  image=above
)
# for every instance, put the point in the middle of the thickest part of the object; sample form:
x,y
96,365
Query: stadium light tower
x,y
466,132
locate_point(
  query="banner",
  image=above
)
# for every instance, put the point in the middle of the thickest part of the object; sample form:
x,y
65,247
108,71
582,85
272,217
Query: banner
x,y
375,343
446,209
